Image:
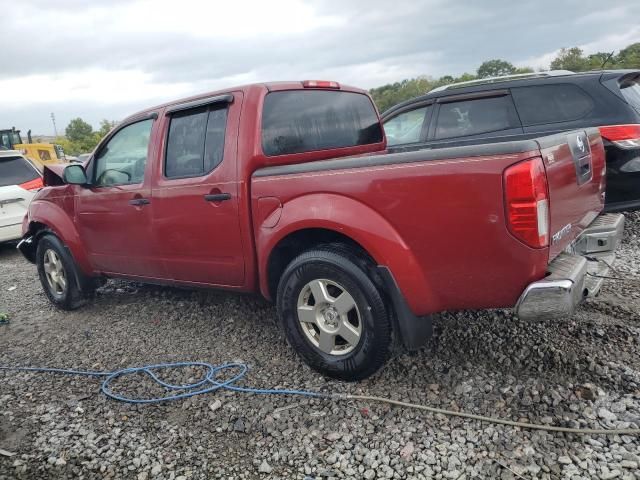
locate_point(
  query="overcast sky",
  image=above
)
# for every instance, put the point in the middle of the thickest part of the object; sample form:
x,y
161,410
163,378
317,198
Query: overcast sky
x,y
108,58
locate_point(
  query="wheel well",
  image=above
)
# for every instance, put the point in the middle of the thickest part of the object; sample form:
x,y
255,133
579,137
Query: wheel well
x,y
297,242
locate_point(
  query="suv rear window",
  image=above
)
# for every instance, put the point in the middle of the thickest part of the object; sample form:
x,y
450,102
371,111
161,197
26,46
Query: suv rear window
x,y
16,170
300,121
631,92
551,103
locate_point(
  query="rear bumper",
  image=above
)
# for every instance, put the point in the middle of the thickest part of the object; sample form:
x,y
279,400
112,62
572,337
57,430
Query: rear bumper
x,y
574,274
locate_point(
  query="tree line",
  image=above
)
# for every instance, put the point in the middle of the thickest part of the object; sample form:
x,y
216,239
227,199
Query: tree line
x,y
573,59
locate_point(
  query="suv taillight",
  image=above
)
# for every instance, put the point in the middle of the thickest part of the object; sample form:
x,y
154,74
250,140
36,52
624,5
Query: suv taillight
x,y
527,202
34,184
624,136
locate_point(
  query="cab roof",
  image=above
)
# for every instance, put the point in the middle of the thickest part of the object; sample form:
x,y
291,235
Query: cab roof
x,y
263,86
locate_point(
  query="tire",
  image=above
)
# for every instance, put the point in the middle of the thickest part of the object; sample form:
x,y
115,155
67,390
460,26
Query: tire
x,y
360,316
58,273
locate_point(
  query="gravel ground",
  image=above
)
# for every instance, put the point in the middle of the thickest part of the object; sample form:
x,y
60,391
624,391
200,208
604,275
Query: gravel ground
x,y
583,372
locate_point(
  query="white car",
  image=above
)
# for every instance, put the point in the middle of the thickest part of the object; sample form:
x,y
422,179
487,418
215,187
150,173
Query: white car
x,y
19,181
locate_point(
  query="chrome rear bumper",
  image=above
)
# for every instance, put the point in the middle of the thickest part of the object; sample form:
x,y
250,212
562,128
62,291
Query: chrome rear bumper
x,y
575,273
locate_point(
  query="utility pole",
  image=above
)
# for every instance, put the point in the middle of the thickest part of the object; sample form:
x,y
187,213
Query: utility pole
x,y
55,129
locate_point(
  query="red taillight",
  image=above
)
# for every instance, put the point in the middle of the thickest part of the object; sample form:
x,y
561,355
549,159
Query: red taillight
x,y
625,136
527,202
34,184
320,84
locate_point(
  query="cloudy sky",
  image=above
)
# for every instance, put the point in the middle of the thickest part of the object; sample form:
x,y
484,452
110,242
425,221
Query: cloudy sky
x,y
108,58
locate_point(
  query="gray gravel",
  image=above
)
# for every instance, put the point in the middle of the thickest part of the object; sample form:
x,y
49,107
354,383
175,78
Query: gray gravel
x,y
583,372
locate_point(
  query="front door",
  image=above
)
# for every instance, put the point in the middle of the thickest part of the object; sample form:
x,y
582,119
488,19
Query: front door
x,y
195,196
115,212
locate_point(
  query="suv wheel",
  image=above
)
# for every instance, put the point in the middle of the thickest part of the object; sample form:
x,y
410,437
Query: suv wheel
x,y
333,314
58,273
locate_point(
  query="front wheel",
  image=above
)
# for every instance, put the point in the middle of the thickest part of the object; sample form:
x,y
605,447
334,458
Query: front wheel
x,y
58,274
333,314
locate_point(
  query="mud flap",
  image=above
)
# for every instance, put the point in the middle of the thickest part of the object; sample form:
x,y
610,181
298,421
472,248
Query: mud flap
x,y
414,331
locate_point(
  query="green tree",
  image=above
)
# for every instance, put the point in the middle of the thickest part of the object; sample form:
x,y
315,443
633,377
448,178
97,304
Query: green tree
x,y
80,137
105,127
570,59
495,68
629,57
598,60
78,130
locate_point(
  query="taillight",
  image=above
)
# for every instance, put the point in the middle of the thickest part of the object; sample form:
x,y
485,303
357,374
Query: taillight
x,y
320,84
527,202
624,136
34,184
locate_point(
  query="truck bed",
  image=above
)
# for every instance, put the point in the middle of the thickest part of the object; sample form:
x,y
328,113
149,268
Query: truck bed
x,y
444,206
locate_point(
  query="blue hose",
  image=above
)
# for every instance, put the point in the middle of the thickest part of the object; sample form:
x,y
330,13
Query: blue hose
x,y
208,383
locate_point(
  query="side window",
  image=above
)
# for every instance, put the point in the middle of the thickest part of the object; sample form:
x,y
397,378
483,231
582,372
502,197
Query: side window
x,y
473,117
195,144
551,103
122,160
406,127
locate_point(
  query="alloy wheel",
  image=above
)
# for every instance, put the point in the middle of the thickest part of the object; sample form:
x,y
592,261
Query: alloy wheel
x,y
329,317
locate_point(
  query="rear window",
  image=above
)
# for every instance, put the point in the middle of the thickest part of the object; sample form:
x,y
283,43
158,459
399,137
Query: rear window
x,y
300,121
16,170
631,92
551,103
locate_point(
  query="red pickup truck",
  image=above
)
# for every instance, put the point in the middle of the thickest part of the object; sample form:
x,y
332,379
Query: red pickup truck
x,y
288,189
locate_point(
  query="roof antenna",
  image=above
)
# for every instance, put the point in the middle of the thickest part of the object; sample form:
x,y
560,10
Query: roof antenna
x,y
606,60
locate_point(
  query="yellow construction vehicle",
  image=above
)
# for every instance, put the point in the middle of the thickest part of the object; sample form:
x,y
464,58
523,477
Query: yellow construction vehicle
x,y
40,154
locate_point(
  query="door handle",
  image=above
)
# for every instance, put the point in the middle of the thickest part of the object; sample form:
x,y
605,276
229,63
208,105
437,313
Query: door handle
x,y
139,202
217,197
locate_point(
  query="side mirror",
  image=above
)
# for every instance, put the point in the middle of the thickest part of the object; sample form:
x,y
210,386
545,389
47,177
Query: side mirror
x,y
75,175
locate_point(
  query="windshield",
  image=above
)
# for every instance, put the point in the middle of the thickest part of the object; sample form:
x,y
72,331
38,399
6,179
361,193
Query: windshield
x,y
631,92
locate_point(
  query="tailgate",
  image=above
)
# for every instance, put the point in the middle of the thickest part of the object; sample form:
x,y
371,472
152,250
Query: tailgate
x,y
575,165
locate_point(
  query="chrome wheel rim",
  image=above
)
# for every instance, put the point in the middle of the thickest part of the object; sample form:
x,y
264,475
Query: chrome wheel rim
x,y
55,273
329,317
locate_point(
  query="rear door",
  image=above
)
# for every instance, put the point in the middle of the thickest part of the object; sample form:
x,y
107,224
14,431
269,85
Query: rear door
x,y
195,193
17,178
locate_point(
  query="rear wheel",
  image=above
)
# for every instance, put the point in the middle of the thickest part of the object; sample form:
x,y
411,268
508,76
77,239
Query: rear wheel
x,y
333,314
58,273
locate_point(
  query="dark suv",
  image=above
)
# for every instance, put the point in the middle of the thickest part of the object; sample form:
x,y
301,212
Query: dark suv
x,y
519,105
